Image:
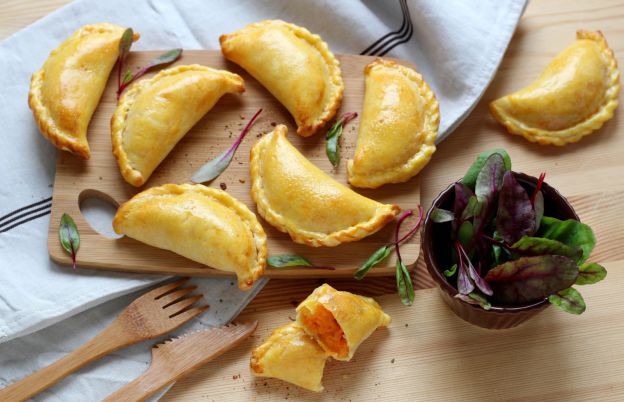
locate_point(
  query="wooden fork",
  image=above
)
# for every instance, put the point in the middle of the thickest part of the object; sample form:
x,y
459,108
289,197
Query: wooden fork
x,y
155,313
177,357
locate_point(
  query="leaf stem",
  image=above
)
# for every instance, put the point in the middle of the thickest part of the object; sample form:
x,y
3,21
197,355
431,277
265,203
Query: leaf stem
x,y
538,187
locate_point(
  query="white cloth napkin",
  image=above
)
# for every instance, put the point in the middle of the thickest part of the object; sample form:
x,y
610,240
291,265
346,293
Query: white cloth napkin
x,y
457,46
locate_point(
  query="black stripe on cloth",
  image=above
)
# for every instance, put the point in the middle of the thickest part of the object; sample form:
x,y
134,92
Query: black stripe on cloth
x,y
17,211
395,38
28,219
25,214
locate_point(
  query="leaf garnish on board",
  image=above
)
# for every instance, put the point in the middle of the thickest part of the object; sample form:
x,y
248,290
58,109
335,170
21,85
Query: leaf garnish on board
x,y
290,260
383,252
70,237
124,48
332,144
162,60
216,166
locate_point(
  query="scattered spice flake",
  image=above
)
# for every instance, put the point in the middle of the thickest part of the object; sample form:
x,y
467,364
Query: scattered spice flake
x,y
223,186
236,377
242,181
291,319
406,325
242,117
273,124
392,361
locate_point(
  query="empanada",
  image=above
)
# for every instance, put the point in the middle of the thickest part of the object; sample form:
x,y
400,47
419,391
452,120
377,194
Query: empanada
x,y
340,321
296,197
293,64
156,113
200,223
398,127
290,355
575,95
66,91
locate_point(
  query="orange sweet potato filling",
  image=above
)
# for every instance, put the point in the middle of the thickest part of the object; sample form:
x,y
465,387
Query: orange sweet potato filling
x,y
324,325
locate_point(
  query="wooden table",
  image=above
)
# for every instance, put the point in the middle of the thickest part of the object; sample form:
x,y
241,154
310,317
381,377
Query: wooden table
x,y
428,353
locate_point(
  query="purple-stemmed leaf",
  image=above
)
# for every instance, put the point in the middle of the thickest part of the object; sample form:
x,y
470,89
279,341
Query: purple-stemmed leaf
x,y
162,60
472,208
590,273
515,217
462,195
570,232
471,175
474,275
124,48
439,215
568,300
538,208
332,146
215,167
529,279
476,299
490,178
540,246
70,237
377,257
464,284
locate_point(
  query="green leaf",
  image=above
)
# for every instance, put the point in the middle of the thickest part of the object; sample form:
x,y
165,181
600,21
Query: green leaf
x,y
332,148
529,279
377,257
590,273
451,271
69,236
472,209
213,168
125,43
127,78
439,215
570,232
568,300
165,58
475,298
540,246
465,233
404,284
288,260
470,178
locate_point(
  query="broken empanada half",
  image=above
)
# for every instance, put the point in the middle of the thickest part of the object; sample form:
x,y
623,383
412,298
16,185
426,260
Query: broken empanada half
x,y
290,355
296,197
200,223
156,113
340,321
575,95
294,65
66,91
398,127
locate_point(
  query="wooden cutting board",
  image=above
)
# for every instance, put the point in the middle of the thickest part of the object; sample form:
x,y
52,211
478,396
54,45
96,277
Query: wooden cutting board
x,y
77,180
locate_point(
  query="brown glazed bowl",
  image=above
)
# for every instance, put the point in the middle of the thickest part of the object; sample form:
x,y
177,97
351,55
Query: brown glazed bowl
x,y
436,249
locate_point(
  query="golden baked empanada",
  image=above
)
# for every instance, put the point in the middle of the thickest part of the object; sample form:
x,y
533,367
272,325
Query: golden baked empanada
x,y
398,127
293,64
156,113
290,355
340,321
200,223
296,197
573,96
66,91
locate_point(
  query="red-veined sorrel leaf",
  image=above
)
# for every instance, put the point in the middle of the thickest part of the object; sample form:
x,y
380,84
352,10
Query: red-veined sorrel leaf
x,y
476,299
404,284
470,178
515,217
474,275
162,60
590,273
530,279
462,195
377,257
288,260
473,208
439,215
570,232
464,284
538,208
568,300
490,178
124,48
540,246
215,167
333,136
70,237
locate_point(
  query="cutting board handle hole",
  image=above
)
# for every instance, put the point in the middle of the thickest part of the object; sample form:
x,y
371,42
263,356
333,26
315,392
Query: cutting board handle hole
x,y
98,209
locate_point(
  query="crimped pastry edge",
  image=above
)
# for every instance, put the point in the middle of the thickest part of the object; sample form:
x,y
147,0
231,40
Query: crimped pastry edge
x,y
59,138
385,213
241,210
118,120
321,46
585,127
418,161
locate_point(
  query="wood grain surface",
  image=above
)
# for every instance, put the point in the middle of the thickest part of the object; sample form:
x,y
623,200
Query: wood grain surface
x,y
555,357
77,179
